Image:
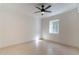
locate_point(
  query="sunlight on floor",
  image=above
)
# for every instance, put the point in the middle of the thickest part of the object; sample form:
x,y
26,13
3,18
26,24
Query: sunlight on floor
x,y
37,40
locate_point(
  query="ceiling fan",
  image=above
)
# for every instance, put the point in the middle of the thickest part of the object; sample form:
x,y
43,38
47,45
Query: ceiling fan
x,y
43,9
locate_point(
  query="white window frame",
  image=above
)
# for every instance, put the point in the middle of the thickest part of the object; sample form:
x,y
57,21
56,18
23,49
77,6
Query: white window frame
x,y
51,25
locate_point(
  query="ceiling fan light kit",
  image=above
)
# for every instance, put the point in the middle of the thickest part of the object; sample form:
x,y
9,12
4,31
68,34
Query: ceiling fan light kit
x,y
42,13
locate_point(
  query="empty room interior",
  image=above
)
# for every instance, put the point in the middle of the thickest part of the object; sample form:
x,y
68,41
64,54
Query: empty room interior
x,y
39,28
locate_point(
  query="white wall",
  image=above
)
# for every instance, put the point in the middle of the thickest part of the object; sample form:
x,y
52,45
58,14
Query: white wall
x,y
68,28
16,25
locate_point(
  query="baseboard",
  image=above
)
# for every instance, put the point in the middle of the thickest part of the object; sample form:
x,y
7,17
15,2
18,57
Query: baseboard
x,y
16,44
61,44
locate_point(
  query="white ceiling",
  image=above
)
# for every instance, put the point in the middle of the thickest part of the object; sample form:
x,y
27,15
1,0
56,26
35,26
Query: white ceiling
x,y
29,8
58,8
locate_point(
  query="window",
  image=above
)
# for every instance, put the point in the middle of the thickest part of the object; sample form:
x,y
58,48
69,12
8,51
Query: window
x,y
54,26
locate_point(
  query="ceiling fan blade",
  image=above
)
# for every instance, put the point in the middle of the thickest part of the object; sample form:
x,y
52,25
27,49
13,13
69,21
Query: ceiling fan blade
x,y
48,11
38,8
48,7
37,12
